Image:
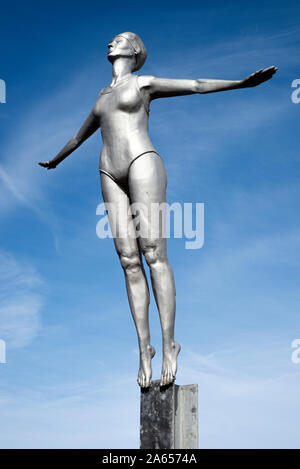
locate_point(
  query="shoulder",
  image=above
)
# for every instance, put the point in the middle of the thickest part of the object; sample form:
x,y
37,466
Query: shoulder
x,y
145,81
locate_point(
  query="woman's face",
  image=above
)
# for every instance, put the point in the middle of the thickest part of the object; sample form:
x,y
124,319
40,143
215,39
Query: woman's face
x,y
119,46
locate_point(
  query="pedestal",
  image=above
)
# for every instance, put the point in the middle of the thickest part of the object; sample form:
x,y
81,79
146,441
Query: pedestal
x,y
169,417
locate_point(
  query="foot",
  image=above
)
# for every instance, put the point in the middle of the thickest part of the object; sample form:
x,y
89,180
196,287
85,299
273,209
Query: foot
x,y
145,371
169,367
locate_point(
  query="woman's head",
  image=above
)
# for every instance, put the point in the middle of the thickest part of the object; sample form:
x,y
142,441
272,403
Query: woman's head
x,y
128,43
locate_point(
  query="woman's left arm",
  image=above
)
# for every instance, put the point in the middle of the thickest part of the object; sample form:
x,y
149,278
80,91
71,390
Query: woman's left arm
x,y
165,87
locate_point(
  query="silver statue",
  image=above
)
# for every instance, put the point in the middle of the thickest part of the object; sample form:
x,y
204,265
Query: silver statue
x,y
132,171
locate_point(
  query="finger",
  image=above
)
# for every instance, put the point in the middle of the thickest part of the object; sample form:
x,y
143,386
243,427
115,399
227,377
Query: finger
x,y
271,70
269,73
268,70
256,74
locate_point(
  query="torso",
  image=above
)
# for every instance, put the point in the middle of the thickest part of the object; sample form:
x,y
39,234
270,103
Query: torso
x,y
123,113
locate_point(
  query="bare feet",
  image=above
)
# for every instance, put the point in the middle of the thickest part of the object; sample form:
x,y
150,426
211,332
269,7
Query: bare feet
x,y
169,366
145,371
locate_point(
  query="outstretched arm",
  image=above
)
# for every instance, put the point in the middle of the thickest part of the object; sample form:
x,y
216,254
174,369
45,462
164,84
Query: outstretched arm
x,y
90,125
165,87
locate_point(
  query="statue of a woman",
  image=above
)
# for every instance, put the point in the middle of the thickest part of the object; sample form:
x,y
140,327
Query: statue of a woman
x,y
132,171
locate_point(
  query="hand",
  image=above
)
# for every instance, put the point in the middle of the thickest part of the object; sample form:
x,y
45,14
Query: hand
x,y
258,77
47,164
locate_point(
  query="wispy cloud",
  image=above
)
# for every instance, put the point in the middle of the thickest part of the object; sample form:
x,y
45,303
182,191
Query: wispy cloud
x,y
20,302
238,407
76,415
41,133
242,407
240,402
49,124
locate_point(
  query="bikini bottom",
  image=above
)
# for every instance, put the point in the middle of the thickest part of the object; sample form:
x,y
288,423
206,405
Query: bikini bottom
x,y
125,187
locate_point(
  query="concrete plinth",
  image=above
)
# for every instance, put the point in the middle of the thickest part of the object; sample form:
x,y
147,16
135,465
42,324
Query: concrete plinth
x,y
169,417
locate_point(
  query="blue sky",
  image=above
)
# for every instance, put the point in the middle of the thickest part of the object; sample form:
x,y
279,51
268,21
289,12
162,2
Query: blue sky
x,y
72,358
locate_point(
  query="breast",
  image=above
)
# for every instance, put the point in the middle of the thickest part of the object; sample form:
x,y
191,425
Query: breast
x,y
124,97
128,99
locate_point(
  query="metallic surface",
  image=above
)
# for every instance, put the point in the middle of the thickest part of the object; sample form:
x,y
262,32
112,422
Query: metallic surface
x,y
157,417
121,112
169,417
186,417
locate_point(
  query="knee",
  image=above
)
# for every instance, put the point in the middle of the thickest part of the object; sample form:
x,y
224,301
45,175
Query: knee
x,y
130,263
153,255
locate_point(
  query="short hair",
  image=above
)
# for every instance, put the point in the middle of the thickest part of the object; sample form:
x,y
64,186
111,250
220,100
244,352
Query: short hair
x,y
138,47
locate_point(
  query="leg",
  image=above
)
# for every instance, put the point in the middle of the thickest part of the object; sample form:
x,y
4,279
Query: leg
x,y
130,257
147,185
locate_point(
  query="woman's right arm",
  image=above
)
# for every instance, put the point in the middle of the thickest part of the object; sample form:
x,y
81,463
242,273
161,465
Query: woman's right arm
x,y
90,126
